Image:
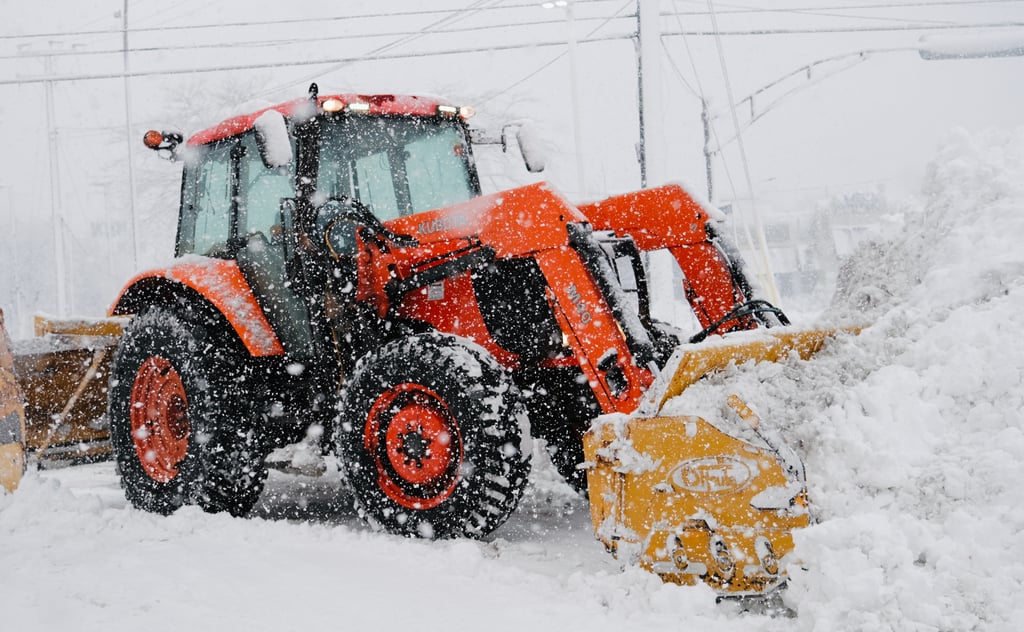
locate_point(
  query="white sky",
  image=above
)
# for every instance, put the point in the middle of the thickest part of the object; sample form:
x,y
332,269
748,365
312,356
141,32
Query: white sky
x,y
874,125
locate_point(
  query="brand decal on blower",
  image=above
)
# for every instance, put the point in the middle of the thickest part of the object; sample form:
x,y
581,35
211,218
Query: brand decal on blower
x,y
711,475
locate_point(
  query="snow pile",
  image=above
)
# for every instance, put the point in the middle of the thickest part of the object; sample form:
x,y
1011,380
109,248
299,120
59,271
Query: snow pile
x,y
911,431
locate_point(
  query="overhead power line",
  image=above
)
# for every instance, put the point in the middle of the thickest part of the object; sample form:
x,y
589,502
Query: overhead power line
x,y
848,29
851,7
318,20
557,57
306,62
690,32
527,5
301,40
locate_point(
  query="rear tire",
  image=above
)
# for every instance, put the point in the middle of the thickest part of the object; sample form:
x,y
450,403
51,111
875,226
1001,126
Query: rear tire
x,y
430,438
181,423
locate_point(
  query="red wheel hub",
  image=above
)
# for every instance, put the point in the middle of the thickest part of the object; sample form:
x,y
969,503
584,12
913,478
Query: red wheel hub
x,y
415,444
159,418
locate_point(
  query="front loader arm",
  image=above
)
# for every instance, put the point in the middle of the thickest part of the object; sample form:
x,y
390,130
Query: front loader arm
x,y
592,331
669,218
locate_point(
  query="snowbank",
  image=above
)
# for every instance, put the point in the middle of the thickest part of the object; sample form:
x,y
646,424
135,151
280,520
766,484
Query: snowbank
x,y
921,456
911,431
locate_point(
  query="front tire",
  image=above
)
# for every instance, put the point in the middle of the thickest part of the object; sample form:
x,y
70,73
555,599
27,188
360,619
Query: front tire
x,y
430,438
181,424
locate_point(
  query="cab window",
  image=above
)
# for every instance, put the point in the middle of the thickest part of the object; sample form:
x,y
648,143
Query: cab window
x,y
397,165
374,185
430,162
261,191
206,217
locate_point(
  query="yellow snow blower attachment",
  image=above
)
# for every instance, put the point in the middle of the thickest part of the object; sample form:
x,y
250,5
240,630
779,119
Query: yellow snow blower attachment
x,y
12,418
689,501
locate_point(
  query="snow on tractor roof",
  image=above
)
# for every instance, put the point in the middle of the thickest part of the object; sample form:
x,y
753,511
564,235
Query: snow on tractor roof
x,y
378,104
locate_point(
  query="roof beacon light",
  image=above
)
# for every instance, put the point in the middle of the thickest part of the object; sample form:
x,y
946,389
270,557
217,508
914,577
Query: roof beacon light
x,y
467,111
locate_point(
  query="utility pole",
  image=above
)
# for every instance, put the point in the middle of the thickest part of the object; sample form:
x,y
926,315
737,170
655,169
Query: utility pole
x,y
705,119
641,146
55,213
574,90
576,111
15,267
649,150
128,136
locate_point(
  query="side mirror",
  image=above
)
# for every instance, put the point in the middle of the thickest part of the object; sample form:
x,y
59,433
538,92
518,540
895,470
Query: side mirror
x,y
530,146
272,139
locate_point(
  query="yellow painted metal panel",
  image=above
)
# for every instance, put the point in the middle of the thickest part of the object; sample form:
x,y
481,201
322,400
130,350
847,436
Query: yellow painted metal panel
x,y
681,497
12,417
12,465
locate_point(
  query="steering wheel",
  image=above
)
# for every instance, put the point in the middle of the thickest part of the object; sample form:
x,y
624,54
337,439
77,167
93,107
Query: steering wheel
x,y
339,219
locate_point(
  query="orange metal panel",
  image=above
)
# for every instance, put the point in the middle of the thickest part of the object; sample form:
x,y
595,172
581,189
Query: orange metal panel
x,y
667,217
220,282
450,306
514,222
708,285
380,105
594,330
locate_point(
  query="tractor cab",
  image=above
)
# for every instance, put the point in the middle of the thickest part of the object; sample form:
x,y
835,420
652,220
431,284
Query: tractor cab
x,y
394,155
263,189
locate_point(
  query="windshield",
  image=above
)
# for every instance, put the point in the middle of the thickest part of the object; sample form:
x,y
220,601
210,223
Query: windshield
x,y
395,165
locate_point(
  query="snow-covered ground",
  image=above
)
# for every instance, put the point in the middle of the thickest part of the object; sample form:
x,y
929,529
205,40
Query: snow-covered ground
x,y
911,433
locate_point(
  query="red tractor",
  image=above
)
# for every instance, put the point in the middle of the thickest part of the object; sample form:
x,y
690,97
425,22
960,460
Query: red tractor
x,y
339,273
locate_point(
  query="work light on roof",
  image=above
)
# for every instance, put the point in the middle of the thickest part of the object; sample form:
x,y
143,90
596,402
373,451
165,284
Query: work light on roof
x,y
333,105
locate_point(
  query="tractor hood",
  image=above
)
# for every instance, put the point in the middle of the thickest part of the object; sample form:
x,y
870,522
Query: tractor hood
x,y
513,222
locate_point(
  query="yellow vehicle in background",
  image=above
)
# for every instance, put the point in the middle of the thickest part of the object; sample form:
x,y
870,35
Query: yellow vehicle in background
x,y
12,418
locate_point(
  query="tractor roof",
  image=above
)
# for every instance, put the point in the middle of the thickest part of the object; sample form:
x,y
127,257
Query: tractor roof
x,y
378,104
